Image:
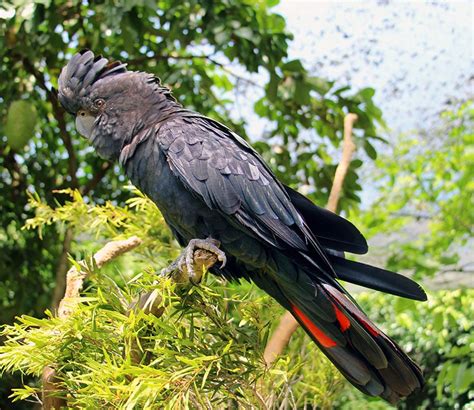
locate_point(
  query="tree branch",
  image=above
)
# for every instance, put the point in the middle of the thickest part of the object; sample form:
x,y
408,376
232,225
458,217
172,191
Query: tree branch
x,y
58,113
92,184
348,148
75,279
53,395
208,57
288,323
61,269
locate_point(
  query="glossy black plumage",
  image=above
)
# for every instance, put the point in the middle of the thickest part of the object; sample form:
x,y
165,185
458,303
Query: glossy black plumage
x,y
332,231
376,278
208,182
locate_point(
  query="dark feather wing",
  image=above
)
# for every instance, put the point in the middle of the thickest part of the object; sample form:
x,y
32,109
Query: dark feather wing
x,y
331,230
229,176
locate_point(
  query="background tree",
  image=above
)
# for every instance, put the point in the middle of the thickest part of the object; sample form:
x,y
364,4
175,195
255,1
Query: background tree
x,y
208,52
196,47
424,185
191,46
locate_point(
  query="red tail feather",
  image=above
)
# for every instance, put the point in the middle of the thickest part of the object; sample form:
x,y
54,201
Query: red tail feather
x,y
317,333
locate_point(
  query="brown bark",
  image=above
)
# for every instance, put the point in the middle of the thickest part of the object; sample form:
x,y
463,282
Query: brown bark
x,y
288,324
75,277
61,270
348,148
58,113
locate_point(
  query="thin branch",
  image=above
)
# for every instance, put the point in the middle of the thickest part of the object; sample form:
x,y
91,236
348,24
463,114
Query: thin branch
x,y
208,57
415,215
75,277
143,59
288,323
61,269
233,74
59,115
52,398
348,148
53,395
100,174
458,269
280,338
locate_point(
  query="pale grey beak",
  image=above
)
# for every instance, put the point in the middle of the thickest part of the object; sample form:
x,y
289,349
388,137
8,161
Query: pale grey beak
x,y
84,125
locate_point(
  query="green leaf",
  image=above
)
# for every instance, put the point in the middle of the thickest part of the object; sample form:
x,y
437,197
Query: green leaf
x,y
461,376
247,33
272,3
260,108
340,90
370,150
378,138
366,93
293,66
302,92
221,37
272,88
320,85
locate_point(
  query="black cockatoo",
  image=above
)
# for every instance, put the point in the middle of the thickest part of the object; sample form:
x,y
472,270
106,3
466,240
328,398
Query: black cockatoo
x,y
210,186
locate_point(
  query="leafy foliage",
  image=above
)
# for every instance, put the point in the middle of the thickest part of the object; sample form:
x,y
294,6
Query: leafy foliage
x,y
207,347
429,182
206,51
192,356
209,52
205,350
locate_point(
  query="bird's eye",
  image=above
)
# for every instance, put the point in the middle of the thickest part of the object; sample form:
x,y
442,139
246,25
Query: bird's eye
x,y
99,103
82,113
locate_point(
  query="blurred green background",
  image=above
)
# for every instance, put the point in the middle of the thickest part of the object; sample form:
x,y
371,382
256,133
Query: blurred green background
x,y
410,193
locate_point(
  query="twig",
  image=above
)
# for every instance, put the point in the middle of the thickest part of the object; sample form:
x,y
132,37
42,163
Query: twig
x,y
61,270
288,323
74,281
234,74
92,184
208,57
59,116
53,395
348,148
75,278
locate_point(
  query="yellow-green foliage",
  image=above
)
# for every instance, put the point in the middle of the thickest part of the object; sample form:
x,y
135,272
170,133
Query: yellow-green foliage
x,y
193,355
426,181
205,351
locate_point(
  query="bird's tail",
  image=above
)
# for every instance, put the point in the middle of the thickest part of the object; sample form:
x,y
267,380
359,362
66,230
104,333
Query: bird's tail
x,y
368,358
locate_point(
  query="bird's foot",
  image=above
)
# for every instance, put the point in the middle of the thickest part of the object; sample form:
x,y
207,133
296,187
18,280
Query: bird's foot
x,y
198,256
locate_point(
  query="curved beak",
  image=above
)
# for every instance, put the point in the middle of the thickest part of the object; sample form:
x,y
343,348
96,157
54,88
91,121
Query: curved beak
x,y
84,125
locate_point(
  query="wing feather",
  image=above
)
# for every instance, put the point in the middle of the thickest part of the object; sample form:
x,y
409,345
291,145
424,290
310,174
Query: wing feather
x,y
232,180
220,167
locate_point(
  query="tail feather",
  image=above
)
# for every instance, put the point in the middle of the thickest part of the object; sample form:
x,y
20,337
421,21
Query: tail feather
x,y
369,359
376,278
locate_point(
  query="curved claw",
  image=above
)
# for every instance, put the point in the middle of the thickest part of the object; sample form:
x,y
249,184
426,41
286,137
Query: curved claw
x,y
186,259
209,244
